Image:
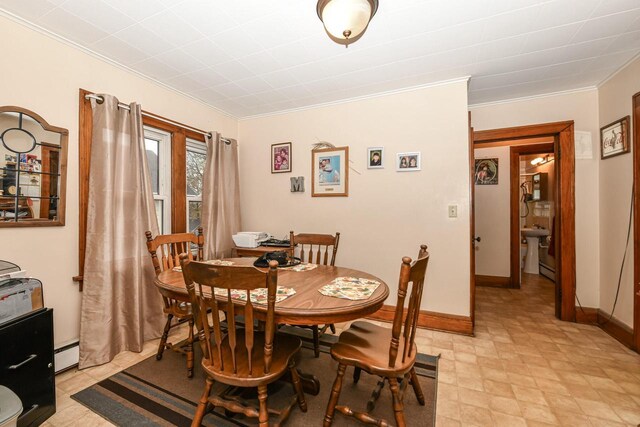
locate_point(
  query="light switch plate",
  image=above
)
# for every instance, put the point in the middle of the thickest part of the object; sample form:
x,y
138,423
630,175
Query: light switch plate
x,y
453,211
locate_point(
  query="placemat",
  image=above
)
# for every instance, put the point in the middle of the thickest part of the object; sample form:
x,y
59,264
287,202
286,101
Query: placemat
x,y
258,296
304,266
211,261
351,288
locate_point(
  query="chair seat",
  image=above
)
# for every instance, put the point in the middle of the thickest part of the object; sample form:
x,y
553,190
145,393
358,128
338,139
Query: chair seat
x,y
180,310
284,348
365,345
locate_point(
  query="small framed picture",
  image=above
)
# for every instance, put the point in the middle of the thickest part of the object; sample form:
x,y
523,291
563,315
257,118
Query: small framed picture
x,y
486,171
408,162
281,157
375,157
330,172
614,138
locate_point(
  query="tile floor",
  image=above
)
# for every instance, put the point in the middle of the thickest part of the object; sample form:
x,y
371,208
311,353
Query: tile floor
x,y
523,368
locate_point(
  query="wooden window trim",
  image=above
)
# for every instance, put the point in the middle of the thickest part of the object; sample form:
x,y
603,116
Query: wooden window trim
x,y
179,134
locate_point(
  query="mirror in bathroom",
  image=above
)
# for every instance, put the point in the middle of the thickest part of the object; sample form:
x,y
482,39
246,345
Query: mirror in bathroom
x,y
33,170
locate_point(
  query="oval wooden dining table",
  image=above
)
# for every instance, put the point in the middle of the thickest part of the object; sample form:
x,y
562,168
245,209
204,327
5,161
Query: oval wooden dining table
x,y
308,306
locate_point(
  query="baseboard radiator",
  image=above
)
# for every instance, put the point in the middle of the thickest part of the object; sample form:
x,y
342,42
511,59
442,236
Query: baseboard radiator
x,y
66,357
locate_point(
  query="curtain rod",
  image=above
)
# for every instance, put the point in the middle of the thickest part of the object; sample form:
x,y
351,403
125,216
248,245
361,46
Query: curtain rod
x,y
153,116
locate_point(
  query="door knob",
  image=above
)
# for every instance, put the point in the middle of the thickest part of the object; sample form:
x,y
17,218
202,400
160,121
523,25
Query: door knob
x,y
477,239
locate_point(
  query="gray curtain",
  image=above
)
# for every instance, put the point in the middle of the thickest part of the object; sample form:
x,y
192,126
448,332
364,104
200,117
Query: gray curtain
x,y
220,197
121,308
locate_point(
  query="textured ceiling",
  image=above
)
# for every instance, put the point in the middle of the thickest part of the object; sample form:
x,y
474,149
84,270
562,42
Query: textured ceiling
x,y
250,57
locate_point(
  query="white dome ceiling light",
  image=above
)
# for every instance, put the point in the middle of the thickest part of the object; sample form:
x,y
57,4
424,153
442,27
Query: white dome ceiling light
x,y
346,20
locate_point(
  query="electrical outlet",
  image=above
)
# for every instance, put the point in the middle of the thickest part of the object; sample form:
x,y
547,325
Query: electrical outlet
x,y
453,211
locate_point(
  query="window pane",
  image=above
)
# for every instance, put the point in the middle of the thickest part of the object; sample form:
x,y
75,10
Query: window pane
x,y
160,214
195,215
154,163
195,172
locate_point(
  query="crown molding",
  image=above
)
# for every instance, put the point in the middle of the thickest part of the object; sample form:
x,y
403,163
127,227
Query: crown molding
x,y
358,98
616,72
532,97
21,21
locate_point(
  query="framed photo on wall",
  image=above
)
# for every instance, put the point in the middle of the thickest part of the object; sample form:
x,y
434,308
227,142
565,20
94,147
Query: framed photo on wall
x,y
281,157
408,162
486,171
614,138
375,157
330,172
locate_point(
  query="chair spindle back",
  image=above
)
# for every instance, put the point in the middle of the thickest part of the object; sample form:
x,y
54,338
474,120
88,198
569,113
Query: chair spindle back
x,y
405,326
201,280
316,246
165,249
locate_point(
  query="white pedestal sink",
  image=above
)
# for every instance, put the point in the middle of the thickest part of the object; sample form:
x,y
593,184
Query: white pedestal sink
x,y
531,261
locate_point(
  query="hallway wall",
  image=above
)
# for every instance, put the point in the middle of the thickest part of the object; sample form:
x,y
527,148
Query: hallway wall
x,y
492,215
616,178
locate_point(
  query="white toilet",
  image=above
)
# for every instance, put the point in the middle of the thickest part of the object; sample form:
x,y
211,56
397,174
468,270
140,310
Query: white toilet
x,y
10,407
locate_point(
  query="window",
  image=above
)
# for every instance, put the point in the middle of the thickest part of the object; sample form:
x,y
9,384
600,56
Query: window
x,y
158,147
196,158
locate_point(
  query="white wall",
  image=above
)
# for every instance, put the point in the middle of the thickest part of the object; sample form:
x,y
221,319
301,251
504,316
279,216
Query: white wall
x,y
616,179
45,76
582,108
492,215
387,214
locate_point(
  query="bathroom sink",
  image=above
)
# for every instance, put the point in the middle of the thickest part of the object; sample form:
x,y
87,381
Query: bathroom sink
x,y
534,232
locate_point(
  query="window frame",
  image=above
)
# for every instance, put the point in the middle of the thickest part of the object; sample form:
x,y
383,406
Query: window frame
x,y
164,174
201,148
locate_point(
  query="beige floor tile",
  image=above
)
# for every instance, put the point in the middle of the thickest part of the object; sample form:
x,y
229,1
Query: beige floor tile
x,y
597,409
474,415
474,398
528,394
536,412
628,415
473,383
559,402
449,409
504,405
496,388
504,420
75,383
442,421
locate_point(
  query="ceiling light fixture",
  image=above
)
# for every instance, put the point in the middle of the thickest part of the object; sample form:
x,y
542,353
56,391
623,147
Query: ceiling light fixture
x,y
537,160
541,160
345,21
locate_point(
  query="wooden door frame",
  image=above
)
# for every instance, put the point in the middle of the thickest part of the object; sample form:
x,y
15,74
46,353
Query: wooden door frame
x,y
636,220
514,217
563,135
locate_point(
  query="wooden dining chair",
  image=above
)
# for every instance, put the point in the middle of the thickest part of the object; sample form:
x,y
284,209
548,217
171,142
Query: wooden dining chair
x,y
316,249
360,347
165,253
240,356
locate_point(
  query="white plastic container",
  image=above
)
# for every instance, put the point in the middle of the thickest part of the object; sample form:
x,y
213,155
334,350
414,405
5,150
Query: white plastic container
x,y
10,407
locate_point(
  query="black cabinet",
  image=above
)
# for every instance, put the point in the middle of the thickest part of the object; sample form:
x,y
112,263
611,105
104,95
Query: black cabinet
x,y
26,365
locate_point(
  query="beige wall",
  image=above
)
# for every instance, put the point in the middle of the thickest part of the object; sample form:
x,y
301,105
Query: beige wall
x,y
45,77
616,179
582,108
387,214
492,215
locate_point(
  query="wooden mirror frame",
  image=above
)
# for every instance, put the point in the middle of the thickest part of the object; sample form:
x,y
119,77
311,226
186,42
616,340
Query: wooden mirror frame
x,y
64,141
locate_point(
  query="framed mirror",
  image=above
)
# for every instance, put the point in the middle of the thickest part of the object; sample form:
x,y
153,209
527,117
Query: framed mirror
x,y
33,170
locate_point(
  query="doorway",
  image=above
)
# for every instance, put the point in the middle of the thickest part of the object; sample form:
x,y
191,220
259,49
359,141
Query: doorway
x,y
559,139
